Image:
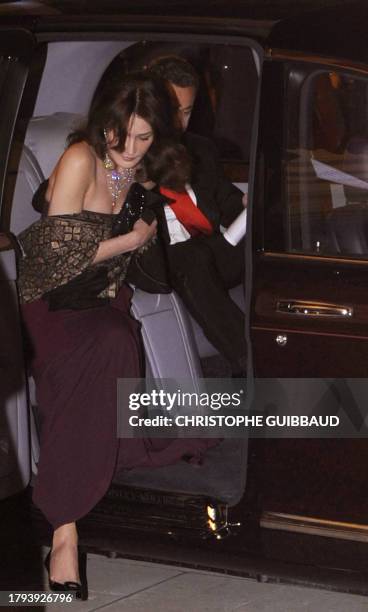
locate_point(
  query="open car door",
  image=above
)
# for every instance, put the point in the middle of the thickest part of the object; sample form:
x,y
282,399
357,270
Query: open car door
x,y
309,316
16,48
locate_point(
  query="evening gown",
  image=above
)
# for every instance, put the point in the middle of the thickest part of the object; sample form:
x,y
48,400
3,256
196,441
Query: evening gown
x,y
79,344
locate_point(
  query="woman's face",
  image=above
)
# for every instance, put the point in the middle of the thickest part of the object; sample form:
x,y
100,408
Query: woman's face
x,y
138,141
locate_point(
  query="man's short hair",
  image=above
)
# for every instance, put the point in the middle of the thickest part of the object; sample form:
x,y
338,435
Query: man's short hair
x,y
175,69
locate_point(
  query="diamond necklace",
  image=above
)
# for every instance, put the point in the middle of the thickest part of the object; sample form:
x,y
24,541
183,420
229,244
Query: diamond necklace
x,y
117,178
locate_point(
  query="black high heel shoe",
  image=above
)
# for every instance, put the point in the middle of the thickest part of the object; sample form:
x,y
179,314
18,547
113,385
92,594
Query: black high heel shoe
x,y
80,589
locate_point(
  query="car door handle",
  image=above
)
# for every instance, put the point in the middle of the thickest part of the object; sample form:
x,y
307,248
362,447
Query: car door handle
x,y
313,309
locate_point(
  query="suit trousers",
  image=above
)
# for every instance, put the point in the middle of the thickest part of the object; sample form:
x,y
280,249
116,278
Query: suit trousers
x,y
202,270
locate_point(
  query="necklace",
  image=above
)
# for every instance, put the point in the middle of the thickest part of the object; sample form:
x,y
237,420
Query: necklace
x,y
117,178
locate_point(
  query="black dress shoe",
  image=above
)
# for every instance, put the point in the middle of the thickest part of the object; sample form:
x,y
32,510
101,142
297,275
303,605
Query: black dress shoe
x,y
79,589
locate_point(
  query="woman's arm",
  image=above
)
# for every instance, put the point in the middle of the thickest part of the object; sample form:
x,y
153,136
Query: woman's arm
x,y
140,234
69,184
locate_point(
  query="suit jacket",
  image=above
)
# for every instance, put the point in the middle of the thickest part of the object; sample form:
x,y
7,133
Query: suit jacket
x,y
217,197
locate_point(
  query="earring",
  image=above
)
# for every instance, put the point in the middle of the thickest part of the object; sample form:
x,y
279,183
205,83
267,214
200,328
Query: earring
x,y
108,163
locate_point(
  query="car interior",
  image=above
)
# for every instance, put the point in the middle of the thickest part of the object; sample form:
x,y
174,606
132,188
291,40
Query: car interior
x,y
175,346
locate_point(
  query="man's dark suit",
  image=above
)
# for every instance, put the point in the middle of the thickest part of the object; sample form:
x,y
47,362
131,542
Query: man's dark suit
x,y
217,197
203,268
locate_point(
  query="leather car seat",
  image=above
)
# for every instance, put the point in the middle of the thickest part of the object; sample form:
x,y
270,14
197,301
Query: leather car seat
x,y
29,177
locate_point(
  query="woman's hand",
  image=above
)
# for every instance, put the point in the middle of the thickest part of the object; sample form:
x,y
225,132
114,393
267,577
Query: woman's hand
x,y
140,234
144,232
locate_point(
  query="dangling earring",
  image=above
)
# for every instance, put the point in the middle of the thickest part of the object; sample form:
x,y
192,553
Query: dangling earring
x,y
108,163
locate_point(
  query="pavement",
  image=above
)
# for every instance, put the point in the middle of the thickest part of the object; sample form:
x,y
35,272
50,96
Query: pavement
x,y
137,586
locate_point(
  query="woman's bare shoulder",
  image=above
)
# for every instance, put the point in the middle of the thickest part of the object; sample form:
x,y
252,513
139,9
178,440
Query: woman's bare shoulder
x,y
78,157
71,179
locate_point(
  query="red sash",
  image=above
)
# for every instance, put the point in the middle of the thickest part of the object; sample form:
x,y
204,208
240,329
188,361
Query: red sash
x,y
187,212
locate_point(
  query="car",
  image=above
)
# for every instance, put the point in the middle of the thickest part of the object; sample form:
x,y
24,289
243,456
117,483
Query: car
x,y
285,98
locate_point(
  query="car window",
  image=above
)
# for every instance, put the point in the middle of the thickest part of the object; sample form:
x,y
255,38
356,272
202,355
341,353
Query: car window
x,y
325,167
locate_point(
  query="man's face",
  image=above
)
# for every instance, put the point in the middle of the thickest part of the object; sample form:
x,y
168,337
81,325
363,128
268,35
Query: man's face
x,y
185,97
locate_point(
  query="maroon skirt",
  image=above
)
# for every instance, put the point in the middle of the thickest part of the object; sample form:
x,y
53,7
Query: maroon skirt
x,y
76,358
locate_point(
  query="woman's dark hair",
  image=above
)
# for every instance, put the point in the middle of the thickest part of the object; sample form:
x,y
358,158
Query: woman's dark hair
x,y
114,102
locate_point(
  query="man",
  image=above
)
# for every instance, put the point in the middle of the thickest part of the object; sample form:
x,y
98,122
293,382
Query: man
x,y
203,265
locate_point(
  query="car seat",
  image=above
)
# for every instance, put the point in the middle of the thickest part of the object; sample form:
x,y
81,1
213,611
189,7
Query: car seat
x,y
348,225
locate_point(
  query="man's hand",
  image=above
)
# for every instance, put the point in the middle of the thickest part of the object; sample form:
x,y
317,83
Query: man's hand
x,y
245,200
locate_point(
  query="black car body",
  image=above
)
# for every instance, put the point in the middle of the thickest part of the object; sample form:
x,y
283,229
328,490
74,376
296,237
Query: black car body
x,y
295,507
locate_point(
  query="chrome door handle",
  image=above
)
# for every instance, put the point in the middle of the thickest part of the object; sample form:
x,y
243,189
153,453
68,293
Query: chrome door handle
x,y
313,309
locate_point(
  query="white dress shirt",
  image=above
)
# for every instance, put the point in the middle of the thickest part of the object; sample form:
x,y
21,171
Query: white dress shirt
x,y
177,231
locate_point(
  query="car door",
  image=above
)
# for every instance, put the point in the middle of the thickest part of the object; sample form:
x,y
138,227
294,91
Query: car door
x,y
309,315
16,47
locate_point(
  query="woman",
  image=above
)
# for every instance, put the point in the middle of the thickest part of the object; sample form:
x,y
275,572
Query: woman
x,y
76,307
